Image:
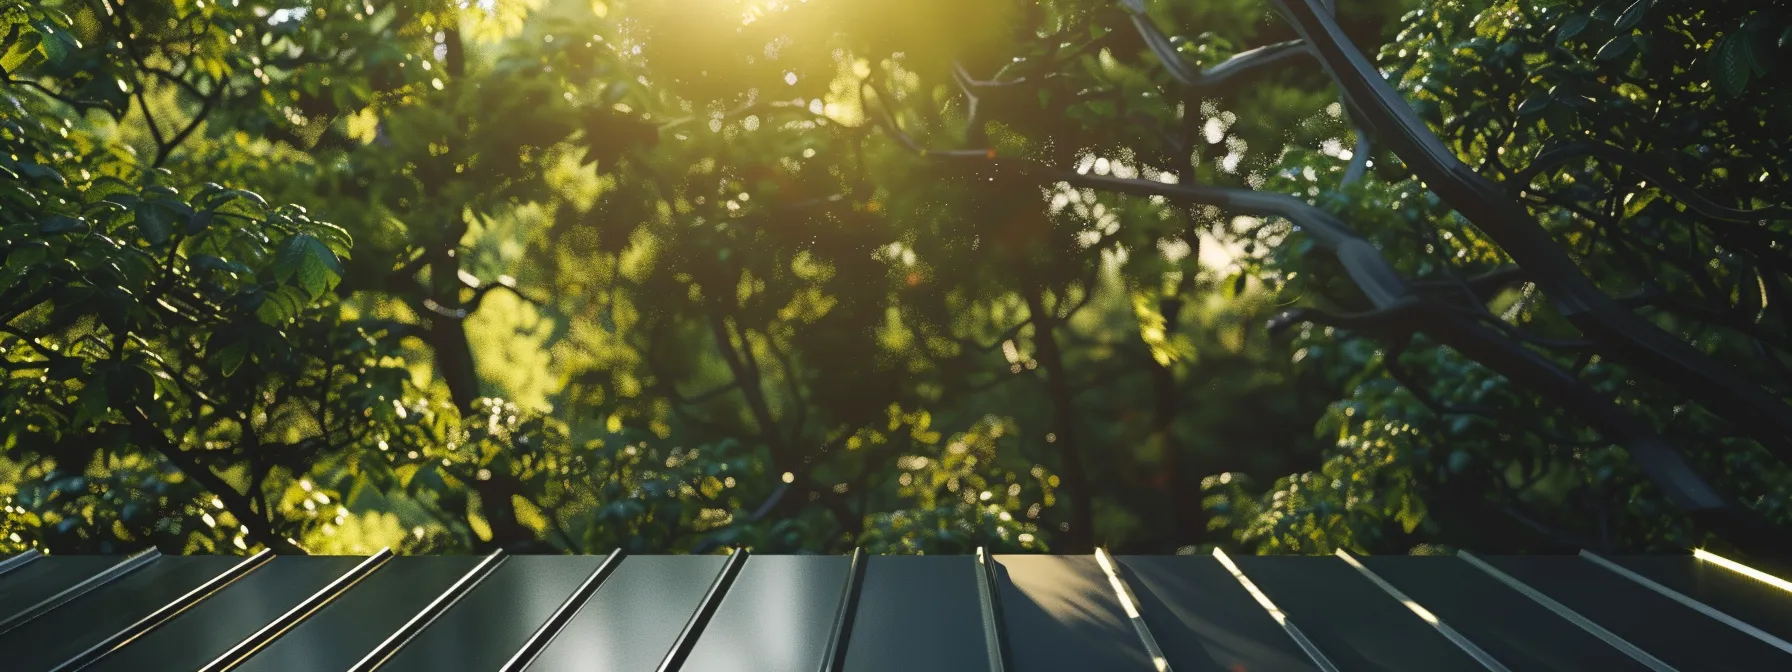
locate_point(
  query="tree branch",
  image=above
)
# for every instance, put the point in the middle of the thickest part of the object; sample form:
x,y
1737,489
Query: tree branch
x,y
1620,333
260,529
1242,64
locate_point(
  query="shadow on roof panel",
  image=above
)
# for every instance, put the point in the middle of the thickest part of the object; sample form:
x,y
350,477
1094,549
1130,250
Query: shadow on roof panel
x,y
1670,631
217,623
776,617
39,579
1354,622
493,621
1204,620
341,633
918,613
629,625
1741,597
66,631
1509,626
1060,613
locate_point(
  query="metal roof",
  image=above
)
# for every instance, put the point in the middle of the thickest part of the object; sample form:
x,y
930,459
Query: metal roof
x,y
1002,613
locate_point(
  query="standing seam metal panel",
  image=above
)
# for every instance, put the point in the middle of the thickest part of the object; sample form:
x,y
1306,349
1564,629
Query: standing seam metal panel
x,y
208,630
1205,620
491,623
1356,624
777,616
349,627
918,613
77,625
1060,614
630,624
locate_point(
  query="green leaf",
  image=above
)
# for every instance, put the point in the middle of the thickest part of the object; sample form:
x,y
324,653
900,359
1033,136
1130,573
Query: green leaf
x,y
22,51
250,196
200,221
231,357
58,44
281,305
40,172
1756,50
209,262
1633,15
27,254
309,262
1535,104
1571,26
1732,64
1616,48
93,403
55,224
155,222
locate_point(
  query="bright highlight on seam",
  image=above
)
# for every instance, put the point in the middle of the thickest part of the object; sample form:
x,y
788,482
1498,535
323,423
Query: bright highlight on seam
x,y
1743,569
1274,612
1101,557
1416,609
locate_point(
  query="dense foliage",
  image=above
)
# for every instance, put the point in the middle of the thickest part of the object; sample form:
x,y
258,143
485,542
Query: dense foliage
x,y
918,277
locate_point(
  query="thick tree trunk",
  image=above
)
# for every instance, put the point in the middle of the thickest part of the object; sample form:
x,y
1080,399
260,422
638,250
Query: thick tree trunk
x,y
454,360
1080,538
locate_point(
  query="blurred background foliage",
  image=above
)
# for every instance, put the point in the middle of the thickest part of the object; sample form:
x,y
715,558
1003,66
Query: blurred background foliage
x,y
574,275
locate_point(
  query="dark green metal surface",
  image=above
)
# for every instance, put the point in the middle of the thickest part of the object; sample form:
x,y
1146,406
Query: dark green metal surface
x,y
338,635
46,576
1512,628
1061,613
776,616
779,613
629,625
918,613
1674,633
1205,620
71,628
1741,597
488,626
1355,623
214,625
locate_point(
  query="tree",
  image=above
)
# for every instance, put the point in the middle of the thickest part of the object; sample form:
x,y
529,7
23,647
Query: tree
x,y
1400,309
922,278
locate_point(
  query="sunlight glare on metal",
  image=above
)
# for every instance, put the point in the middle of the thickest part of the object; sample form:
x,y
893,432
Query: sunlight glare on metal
x,y
1420,611
1274,612
1690,603
1300,639
1637,654
1743,569
1101,557
1474,651
1125,597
